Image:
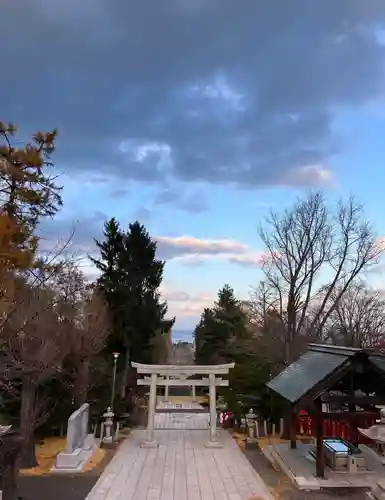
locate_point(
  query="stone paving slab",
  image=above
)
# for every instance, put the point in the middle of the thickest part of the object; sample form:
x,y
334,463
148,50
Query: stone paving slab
x,y
181,468
185,418
181,421
186,405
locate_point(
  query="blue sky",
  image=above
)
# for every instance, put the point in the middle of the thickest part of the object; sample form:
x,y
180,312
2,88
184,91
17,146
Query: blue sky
x,y
197,118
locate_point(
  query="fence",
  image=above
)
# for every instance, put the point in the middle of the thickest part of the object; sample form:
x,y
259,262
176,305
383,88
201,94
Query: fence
x,y
305,427
333,428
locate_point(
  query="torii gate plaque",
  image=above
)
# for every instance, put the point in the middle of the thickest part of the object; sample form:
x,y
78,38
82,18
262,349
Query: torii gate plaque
x,y
160,376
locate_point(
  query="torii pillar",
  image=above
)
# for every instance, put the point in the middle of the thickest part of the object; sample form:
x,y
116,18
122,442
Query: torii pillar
x,y
193,395
213,441
150,441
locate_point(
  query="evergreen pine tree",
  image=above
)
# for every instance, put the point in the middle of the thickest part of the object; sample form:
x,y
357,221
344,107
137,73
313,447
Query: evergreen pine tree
x,y
108,263
222,336
130,280
219,329
111,275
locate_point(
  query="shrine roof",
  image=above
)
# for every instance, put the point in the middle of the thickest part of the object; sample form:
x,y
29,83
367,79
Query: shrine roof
x,y
311,369
378,361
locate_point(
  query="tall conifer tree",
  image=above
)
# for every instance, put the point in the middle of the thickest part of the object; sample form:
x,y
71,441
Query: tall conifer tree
x,y
130,280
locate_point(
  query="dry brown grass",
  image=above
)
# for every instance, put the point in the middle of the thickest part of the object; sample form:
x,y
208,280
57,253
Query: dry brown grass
x,y
46,455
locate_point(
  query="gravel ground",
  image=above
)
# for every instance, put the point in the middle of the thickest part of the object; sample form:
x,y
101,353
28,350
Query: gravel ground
x,y
61,487
285,490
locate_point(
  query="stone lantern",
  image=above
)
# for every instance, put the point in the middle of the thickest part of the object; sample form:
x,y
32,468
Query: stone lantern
x,y
251,418
108,437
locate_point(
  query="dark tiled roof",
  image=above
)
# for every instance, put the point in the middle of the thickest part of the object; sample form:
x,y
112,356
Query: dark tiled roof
x,y
378,361
310,369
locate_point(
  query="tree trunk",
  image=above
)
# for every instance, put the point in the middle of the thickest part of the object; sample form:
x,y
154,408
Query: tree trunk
x,y
27,423
9,483
10,448
291,329
125,373
82,382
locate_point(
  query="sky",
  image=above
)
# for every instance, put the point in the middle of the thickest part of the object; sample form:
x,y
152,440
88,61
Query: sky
x,y
197,117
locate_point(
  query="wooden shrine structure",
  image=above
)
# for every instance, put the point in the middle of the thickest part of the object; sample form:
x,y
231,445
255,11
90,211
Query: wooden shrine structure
x,y
335,383
178,375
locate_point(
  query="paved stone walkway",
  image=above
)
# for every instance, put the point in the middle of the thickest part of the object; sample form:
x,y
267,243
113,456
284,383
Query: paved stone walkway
x,y
186,405
186,420
181,468
181,421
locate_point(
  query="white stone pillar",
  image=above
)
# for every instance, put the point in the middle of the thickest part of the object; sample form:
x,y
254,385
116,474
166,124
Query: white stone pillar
x,y
193,395
150,441
166,389
85,420
213,408
213,442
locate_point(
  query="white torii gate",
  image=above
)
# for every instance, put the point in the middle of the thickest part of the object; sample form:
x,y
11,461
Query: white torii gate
x,y
160,376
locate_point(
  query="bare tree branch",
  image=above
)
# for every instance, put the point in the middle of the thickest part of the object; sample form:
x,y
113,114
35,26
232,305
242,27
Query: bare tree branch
x,y
358,319
313,257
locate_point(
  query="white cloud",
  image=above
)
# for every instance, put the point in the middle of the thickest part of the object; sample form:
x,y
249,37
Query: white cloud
x,y
381,242
218,90
186,306
194,251
191,244
176,296
249,259
310,175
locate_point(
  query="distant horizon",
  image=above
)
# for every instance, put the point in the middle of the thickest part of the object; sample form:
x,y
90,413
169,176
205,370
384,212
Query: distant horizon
x,y
183,334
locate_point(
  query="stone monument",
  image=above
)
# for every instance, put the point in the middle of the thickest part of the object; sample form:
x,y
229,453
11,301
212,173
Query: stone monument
x,y
80,445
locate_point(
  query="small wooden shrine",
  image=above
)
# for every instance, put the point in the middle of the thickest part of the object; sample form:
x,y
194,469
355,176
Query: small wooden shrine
x,y
335,383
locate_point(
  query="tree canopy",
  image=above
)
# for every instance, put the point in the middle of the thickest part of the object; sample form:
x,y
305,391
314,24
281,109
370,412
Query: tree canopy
x,y
223,335
130,279
219,329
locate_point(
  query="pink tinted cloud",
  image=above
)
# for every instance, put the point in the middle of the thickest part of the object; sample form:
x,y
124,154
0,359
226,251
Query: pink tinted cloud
x,y
182,304
194,251
193,245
